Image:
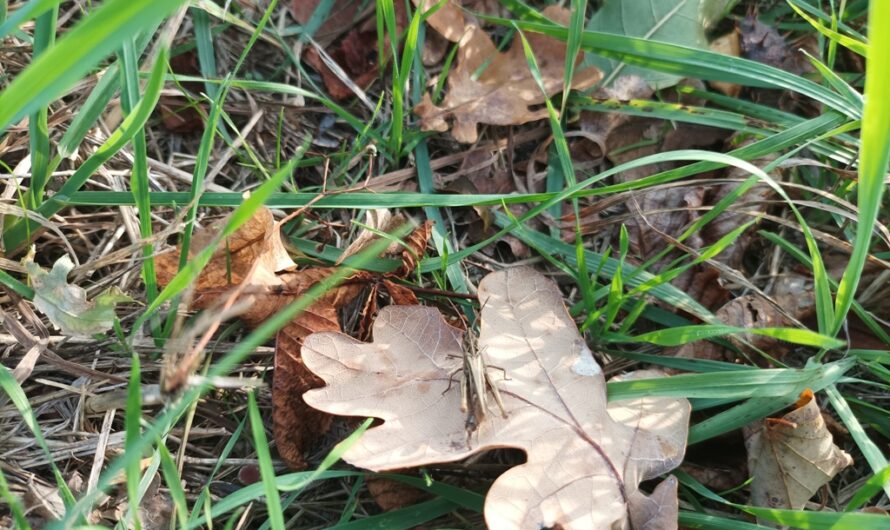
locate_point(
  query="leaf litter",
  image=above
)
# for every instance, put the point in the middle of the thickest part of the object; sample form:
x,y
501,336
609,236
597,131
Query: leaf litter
x,y
505,92
791,457
272,279
255,260
586,458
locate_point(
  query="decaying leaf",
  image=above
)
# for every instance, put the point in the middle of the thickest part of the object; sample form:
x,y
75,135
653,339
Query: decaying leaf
x,y
764,44
255,256
66,304
254,249
339,19
659,210
754,311
44,500
380,220
177,113
744,209
791,457
585,458
356,55
505,93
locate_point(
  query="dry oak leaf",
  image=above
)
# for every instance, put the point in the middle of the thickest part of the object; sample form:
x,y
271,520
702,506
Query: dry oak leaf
x,y
505,93
254,249
255,255
585,458
792,457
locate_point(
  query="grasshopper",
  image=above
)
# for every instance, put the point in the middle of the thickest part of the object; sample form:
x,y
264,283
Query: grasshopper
x,y
475,384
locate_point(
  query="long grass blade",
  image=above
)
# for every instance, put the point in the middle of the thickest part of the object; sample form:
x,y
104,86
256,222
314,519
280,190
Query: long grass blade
x,y
80,49
873,158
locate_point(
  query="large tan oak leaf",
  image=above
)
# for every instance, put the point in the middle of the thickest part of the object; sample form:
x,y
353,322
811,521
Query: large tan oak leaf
x,y
585,457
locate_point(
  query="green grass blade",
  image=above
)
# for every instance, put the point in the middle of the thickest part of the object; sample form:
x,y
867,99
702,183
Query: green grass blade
x,y
730,384
174,485
873,455
804,520
402,74
132,433
402,519
873,157
634,278
852,44
139,185
96,103
12,502
15,393
462,497
87,115
204,496
573,46
292,482
202,162
872,486
690,62
44,37
264,458
30,10
193,268
223,366
18,234
88,42
808,520
779,141
426,184
204,43
682,335
758,408
16,286
712,522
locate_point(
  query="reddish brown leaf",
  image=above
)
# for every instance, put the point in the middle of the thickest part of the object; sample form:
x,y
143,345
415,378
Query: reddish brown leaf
x,y
255,256
392,495
340,17
356,55
177,113
415,249
399,294
254,247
